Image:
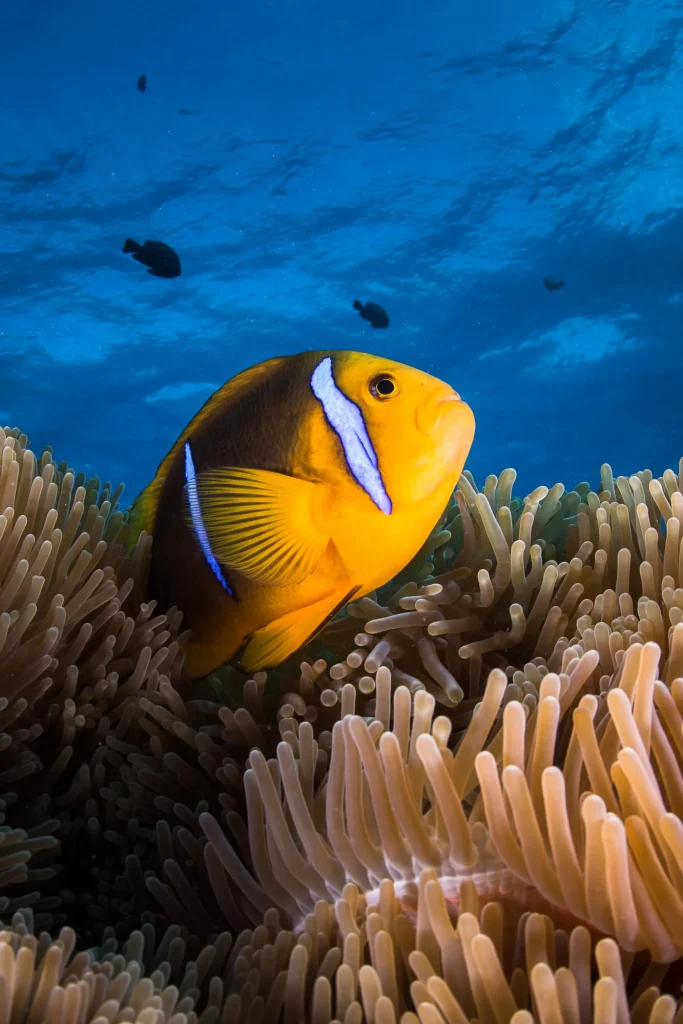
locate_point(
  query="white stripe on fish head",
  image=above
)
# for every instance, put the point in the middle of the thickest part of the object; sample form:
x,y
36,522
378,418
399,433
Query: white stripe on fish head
x,y
347,421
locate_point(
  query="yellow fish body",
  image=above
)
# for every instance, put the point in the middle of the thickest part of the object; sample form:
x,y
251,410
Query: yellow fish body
x,y
303,482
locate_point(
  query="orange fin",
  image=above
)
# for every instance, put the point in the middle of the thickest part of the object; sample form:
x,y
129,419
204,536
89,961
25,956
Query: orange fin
x,y
262,524
273,643
143,511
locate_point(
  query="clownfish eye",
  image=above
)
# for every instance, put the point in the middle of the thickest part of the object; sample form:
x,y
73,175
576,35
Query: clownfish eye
x,y
383,386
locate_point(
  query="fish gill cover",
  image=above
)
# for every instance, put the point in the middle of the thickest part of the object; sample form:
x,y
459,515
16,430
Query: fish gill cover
x,y
346,839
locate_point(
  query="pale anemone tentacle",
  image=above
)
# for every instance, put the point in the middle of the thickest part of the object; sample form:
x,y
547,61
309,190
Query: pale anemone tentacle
x,y
463,802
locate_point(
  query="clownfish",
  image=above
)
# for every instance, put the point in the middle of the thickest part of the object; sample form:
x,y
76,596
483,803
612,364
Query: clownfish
x,y
302,483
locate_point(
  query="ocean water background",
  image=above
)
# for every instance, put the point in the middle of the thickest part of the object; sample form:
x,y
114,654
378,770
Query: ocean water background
x,y
440,158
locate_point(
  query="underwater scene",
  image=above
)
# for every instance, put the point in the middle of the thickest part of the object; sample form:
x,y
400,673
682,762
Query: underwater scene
x,y
341,512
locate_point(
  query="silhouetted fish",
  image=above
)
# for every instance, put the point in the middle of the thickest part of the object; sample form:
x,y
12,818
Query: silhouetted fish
x,y
159,257
190,110
371,312
552,285
142,83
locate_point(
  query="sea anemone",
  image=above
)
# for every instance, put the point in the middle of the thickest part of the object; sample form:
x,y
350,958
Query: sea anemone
x,y
45,981
77,648
464,803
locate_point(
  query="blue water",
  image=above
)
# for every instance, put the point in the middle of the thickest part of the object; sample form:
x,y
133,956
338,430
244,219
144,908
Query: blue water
x,y
439,158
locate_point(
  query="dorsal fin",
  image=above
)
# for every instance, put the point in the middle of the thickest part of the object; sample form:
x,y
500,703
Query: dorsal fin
x,y
143,512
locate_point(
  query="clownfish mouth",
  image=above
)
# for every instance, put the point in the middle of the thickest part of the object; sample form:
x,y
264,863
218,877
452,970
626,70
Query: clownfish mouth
x,y
442,406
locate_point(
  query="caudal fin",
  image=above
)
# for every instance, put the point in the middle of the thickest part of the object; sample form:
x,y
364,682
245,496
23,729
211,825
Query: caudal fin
x,y
142,514
130,246
357,305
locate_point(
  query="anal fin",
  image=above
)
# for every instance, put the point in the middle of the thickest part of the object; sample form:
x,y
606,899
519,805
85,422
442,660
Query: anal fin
x,y
270,645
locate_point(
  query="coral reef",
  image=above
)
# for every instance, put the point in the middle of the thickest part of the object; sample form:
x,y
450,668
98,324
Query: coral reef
x,y
462,802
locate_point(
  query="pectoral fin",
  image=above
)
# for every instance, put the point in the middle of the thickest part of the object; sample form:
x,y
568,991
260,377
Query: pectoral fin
x,y
273,643
262,524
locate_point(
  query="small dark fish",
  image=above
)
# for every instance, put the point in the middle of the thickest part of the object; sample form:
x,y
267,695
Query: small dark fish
x,y
190,110
371,312
552,285
159,257
142,83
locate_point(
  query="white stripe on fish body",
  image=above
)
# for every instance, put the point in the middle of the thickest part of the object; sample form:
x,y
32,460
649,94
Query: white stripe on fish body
x,y
198,519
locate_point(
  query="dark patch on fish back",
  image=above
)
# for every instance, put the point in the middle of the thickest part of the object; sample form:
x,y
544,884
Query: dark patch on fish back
x,y
259,427
255,428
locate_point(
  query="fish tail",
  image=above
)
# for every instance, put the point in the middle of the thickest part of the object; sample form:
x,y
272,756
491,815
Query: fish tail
x,y
357,305
130,246
143,511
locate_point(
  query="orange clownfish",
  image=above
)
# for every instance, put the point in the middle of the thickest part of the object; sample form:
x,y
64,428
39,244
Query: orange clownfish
x,y
303,482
